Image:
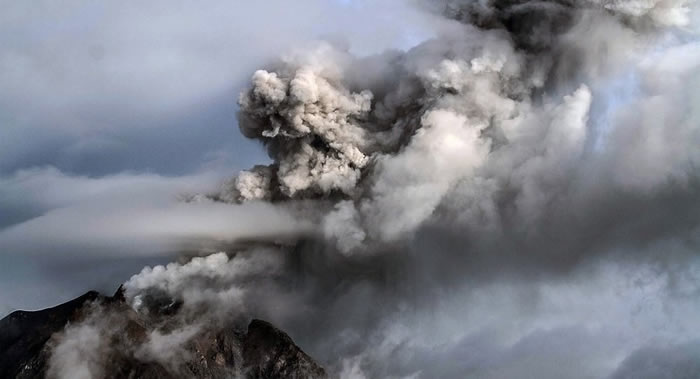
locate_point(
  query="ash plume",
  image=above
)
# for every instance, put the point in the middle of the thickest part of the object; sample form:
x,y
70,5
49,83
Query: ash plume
x,y
465,191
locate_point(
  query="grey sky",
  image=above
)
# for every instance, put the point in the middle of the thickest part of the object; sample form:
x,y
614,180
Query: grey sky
x,y
99,88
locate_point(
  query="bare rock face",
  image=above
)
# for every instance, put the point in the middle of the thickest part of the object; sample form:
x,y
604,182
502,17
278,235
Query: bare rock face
x,y
23,336
262,351
270,353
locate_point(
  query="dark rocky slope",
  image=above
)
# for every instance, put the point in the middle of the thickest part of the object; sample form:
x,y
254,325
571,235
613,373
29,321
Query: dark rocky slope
x,y
27,340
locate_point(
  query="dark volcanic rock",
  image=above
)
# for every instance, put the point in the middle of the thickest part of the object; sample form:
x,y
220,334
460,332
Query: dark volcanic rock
x,y
27,340
23,335
270,353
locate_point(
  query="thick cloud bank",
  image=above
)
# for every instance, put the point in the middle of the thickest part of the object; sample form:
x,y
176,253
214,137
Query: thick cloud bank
x,y
517,197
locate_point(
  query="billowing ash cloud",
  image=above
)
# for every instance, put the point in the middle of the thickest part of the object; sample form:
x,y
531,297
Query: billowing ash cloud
x,y
494,115
518,196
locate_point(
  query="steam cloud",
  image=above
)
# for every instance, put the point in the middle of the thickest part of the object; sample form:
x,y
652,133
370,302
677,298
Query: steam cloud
x,y
517,197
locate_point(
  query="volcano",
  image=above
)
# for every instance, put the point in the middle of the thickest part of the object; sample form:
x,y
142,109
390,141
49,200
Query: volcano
x,y
28,340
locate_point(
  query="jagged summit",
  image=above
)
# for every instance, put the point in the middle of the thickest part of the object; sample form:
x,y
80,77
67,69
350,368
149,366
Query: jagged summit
x,y
28,340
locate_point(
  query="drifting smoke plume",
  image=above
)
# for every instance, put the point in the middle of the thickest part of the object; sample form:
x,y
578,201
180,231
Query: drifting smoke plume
x,y
467,190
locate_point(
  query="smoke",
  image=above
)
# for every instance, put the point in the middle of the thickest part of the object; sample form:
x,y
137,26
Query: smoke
x,y
655,362
486,204
110,335
149,228
79,353
487,115
77,232
167,348
216,284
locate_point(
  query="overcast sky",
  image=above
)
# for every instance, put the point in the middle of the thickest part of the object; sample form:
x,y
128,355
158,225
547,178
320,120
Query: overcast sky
x,y
127,104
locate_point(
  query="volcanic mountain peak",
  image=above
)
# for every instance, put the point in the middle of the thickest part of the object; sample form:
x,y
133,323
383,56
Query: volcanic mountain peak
x,y
29,346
